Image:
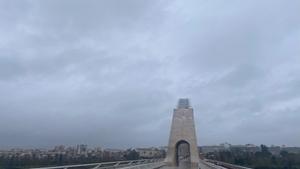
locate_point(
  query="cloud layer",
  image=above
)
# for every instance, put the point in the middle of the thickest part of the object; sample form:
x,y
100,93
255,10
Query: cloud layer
x,y
109,73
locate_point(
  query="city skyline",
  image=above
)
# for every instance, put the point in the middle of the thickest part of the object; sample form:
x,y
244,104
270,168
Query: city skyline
x,y
222,146
110,72
126,148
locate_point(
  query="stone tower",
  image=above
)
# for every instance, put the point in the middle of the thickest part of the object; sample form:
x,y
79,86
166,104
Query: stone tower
x,y
182,131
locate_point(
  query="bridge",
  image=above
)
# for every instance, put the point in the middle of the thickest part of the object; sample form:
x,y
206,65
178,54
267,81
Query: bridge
x,y
147,164
182,149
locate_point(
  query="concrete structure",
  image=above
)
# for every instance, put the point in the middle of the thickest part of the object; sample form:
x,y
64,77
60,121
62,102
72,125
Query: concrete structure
x,y
182,131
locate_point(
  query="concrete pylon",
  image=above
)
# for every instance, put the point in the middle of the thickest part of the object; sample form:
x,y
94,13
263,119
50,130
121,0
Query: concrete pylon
x,y
182,131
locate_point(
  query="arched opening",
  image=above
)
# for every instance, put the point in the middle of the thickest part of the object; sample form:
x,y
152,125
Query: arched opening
x,y
183,154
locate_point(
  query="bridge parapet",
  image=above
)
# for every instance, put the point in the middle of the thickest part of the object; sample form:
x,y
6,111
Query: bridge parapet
x,y
147,166
226,165
134,164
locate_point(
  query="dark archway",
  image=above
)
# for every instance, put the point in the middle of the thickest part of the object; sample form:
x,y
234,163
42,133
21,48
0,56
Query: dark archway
x,y
183,154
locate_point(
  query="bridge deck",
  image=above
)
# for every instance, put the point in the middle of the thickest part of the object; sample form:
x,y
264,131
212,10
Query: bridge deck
x,y
149,164
202,165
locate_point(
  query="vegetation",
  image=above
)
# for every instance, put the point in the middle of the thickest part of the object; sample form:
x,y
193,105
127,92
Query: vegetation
x,y
258,160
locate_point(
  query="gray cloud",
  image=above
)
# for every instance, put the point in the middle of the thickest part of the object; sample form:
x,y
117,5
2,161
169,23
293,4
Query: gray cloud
x,y
109,73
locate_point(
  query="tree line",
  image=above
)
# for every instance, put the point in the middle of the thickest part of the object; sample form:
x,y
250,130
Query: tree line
x,y
262,159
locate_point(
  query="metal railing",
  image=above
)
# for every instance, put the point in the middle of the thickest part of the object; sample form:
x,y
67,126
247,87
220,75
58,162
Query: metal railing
x,y
108,165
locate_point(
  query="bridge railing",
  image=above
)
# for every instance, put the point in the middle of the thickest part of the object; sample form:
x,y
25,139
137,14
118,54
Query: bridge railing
x,y
105,165
226,165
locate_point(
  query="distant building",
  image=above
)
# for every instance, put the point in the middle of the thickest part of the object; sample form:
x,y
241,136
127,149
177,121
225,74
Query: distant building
x,y
211,149
228,147
115,154
245,148
59,148
81,149
164,148
225,145
214,148
150,152
295,150
275,150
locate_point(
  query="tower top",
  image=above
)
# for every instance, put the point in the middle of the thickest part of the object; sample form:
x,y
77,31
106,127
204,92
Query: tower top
x,y
183,103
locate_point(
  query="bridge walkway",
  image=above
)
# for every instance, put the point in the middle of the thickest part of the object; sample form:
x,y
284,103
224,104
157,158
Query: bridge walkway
x,y
148,164
202,165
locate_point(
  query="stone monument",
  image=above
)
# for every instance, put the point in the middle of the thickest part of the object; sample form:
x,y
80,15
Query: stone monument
x,y
182,131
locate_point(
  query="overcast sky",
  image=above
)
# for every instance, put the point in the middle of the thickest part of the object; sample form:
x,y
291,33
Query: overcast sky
x,y
109,73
